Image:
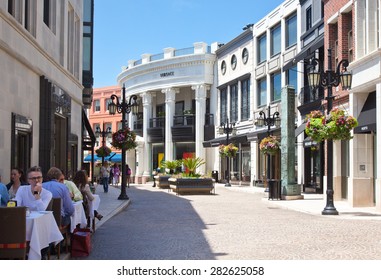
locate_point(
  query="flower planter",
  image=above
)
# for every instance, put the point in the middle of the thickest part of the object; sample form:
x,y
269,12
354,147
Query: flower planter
x,y
191,185
161,181
336,126
269,145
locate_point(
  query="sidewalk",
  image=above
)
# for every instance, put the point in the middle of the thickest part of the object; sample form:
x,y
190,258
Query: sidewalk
x,y
110,205
312,204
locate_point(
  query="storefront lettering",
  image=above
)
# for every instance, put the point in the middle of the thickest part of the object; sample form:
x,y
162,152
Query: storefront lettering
x,y
167,74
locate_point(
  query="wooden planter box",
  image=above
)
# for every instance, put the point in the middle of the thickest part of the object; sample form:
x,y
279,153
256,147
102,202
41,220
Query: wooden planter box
x,y
161,181
191,185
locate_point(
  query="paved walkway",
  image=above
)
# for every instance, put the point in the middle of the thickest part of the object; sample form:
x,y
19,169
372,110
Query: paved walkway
x,y
311,204
236,223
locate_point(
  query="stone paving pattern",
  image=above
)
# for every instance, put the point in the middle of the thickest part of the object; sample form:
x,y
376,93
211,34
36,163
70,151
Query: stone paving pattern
x,y
230,225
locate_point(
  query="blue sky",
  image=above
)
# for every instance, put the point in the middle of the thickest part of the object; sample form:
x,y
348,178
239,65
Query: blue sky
x,y
126,29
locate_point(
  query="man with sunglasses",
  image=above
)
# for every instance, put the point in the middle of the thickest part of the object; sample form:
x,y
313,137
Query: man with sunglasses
x,y
33,195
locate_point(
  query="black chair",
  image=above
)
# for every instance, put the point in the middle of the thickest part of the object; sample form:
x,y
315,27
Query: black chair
x,y
65,230
13,233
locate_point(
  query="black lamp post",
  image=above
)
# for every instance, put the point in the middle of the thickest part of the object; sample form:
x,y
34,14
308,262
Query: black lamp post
x,y
123,108
227,128
329,79
103,133
269,121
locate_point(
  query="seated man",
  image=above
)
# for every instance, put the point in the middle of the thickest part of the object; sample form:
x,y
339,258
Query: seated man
x,y
75,194
59,190
33,195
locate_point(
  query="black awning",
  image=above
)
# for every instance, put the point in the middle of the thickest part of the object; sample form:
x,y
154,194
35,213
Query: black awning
x,y
222,140
368,116
260,134
87,125
300,129
305,52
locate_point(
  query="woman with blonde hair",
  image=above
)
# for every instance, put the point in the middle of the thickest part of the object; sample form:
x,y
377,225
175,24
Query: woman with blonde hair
x,y
82,182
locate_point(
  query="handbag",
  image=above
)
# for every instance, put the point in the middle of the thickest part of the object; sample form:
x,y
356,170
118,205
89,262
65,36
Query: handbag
x,y
81,242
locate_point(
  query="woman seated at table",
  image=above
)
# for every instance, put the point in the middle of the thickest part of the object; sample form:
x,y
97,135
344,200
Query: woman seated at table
x,y
33,195
17,180
82,182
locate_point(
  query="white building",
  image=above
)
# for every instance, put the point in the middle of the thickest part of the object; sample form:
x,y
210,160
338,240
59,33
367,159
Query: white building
x,y
178,102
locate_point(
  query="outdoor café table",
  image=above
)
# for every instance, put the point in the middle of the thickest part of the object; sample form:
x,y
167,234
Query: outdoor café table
x,y
41,230
78,217
94,205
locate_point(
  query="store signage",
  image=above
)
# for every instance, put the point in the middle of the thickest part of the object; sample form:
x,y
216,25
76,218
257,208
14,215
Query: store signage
x,y
167,74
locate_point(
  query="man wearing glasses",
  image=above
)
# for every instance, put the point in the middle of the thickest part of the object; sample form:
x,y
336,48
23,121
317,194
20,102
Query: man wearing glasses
x,y
33,195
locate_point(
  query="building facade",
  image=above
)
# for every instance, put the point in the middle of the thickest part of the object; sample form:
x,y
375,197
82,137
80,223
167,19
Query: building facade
x,y
42,91
176,104
364,184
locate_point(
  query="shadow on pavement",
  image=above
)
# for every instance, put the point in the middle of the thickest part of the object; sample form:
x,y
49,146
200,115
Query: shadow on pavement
x,y
156,225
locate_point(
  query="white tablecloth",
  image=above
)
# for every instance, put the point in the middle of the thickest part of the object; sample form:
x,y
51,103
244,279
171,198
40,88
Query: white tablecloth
x,y
94,205
78,217
41,230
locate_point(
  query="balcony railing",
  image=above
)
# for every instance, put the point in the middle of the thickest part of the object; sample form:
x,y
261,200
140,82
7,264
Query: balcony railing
x,y
157,122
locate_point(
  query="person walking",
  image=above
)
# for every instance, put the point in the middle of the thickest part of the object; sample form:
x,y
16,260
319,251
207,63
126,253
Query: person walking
x,y
105,173
115,174
128,171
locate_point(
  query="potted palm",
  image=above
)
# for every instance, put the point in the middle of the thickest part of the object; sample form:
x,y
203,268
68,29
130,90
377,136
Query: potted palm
x,y
191,181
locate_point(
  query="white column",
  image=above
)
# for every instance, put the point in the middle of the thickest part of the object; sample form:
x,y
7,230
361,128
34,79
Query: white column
x,y
378,144
170,97
200,98
147,115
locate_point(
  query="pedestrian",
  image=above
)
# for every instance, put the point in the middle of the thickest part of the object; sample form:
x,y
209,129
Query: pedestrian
x,y
111,176
116,174
105,173
128,172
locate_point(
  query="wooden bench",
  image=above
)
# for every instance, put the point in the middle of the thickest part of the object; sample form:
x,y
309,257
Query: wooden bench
x,y
192,185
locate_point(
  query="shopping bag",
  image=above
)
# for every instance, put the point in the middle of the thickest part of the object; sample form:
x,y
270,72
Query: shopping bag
x,y
81,242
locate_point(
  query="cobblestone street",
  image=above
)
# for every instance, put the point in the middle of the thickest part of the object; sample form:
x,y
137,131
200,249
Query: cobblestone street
x,y
158,225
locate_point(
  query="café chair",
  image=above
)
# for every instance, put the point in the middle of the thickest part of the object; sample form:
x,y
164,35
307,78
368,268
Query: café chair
x,y
56,207
50,206
13,233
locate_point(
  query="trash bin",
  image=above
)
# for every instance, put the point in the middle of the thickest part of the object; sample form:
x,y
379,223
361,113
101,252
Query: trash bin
x,y
215,175
274,189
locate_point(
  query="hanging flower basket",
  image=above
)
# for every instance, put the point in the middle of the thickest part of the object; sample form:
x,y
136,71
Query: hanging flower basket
x,y
337,126
124,138
269,145
103,151
229,150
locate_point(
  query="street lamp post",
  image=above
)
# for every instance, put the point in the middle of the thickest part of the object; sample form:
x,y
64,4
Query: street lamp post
x,y
123,108
227,128
269,121
329,79
103,133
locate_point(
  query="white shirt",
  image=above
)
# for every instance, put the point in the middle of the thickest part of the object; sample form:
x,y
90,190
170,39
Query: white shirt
x,y
24,197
